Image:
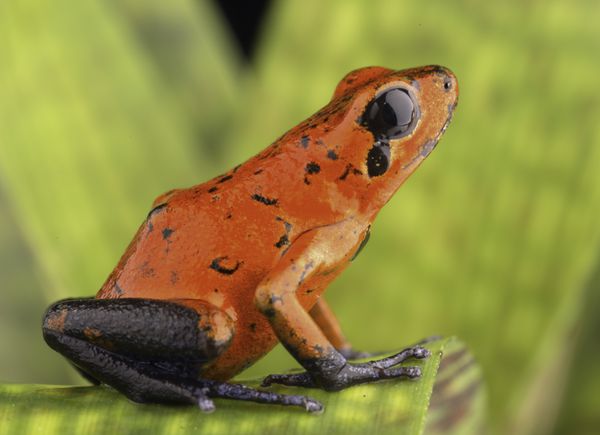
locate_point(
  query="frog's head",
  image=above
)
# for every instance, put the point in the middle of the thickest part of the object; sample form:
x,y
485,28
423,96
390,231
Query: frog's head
x,y
392,121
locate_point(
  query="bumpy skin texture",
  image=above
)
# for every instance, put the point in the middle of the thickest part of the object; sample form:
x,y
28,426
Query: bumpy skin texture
x,y
250,253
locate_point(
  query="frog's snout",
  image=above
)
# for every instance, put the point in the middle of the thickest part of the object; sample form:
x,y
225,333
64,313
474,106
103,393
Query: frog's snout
x,y
447,90
449,82
449,79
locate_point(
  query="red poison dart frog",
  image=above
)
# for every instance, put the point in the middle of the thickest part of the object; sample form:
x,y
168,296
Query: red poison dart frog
x,y
220,272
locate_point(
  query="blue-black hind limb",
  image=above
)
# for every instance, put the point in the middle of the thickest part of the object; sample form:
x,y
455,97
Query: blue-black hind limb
x,y
152,351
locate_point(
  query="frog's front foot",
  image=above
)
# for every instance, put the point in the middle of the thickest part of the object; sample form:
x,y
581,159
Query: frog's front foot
x,y
303,379
354,374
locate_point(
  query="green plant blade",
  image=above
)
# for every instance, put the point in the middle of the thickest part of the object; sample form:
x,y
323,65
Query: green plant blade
x,y
187,45
394,407
580,408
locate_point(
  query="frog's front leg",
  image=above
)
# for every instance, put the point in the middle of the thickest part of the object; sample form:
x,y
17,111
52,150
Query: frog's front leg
x,y
317,251
152,350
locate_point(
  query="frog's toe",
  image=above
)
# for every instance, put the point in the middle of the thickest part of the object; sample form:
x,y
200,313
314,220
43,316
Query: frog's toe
x,y
417,352
420,352
291,380
313,406
205,404
401,372
240,392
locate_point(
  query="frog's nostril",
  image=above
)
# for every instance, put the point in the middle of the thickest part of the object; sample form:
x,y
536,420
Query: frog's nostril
x,y
447,78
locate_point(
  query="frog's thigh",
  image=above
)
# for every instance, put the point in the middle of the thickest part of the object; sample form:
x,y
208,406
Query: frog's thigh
x,y
181,335
151,350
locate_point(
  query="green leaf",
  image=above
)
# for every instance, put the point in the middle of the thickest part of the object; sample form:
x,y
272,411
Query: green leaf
x,y
189,48
457,406
580,407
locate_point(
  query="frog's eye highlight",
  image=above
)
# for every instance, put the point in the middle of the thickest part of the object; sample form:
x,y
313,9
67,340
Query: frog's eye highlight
x,y
391,115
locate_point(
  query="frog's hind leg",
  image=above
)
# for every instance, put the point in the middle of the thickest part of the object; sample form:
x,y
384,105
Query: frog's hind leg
x,y
151,350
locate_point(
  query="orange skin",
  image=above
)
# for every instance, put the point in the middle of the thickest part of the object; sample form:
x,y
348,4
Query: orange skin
x,y
255,248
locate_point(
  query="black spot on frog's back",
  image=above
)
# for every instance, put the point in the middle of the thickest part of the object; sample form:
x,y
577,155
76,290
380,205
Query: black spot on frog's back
x,y
153,213
156,210
167,232
118,290
286,224
224,265
304,141
146,270
312,168
283,240
264,199
350,169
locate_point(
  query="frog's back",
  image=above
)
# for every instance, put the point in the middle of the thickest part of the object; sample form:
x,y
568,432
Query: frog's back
x,y
216,239
220,238
201,243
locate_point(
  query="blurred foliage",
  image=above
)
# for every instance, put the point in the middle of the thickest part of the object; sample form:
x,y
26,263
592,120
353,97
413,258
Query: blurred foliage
x,y
580,405
455,390
104,105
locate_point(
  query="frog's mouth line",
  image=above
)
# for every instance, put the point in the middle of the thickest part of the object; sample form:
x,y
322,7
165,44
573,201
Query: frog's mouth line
x,y
435,140
451,108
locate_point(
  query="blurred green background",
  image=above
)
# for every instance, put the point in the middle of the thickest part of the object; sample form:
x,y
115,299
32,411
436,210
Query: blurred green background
x,y
106,104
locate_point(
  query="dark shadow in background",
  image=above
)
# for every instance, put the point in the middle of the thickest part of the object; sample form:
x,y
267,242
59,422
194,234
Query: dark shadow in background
x,y
245,20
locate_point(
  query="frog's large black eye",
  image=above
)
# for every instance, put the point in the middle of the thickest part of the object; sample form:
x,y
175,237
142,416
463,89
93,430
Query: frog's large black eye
x,y
391,115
